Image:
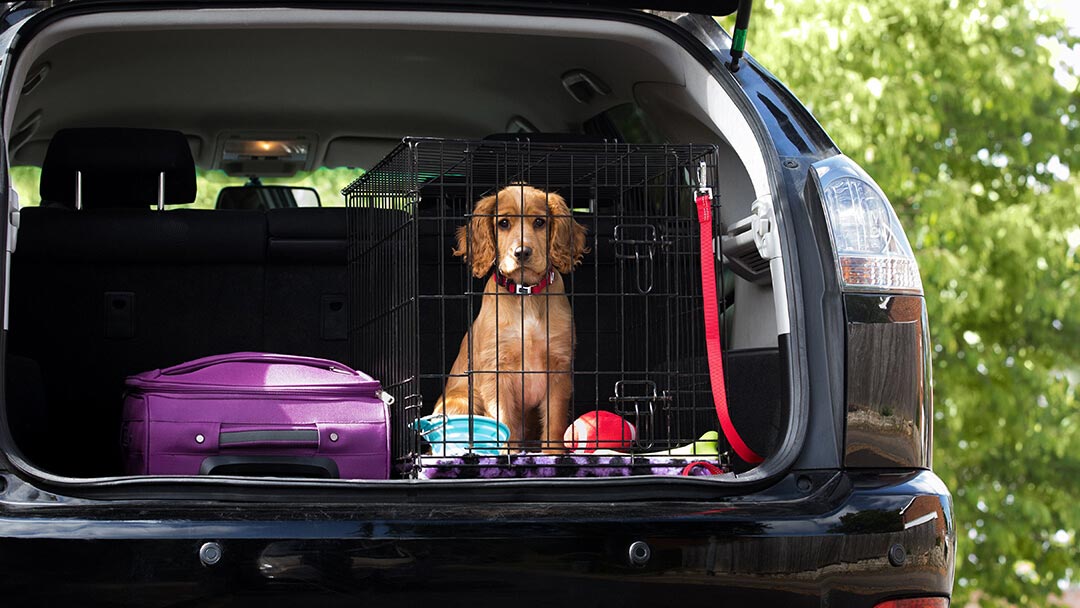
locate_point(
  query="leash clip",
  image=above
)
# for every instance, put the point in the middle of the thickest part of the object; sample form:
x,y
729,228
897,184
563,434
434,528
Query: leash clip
x,y
702,181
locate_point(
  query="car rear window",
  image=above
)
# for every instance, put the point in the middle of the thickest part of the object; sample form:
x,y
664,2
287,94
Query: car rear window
x,y
327,182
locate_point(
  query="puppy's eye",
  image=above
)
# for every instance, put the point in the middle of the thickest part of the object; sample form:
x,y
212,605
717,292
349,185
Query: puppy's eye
x,y
539,222
504,224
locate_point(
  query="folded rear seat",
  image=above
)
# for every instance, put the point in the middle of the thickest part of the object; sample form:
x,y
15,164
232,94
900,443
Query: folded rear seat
x,y
116,287
307,234
306,282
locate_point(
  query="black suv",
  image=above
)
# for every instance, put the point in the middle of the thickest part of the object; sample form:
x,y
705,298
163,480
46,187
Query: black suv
x,y
825,498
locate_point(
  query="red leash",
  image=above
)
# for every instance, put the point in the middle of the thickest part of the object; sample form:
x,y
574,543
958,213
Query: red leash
x,y
712,332
710,468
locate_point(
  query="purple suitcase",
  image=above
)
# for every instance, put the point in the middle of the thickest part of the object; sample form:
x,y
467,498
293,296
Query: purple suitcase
x,y
257,414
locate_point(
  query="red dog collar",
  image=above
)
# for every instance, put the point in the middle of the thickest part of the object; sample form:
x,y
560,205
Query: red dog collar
x,y
524,290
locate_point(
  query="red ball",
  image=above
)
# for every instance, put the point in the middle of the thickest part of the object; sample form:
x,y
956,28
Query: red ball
x,y
599,430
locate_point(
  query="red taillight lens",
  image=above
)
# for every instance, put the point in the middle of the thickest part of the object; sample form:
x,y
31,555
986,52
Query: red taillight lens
x,y
916,602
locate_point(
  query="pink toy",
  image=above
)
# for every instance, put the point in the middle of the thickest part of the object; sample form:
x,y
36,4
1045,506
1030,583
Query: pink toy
x,y
599,430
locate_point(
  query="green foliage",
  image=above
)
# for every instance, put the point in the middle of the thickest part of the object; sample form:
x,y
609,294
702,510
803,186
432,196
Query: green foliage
x,y
953,107
25,180
328,183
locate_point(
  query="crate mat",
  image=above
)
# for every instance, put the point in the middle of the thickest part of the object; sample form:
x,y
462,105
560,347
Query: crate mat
x,y
537,466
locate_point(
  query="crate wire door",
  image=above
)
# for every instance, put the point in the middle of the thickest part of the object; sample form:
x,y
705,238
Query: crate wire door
x,y
635,299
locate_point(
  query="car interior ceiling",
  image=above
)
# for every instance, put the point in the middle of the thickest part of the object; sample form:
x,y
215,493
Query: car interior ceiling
x,y
120,288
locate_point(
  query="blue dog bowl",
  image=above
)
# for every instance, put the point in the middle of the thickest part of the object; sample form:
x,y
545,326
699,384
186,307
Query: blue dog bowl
x,y
449,435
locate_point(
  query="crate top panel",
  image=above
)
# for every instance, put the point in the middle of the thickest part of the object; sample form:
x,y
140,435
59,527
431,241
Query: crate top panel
x,y
488,165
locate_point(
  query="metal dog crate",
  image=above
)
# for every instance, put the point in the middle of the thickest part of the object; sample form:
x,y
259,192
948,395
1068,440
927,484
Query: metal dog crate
x,y
636,297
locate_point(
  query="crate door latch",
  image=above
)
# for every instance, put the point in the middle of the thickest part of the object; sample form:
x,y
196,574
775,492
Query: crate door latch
x,y
636,245
638,399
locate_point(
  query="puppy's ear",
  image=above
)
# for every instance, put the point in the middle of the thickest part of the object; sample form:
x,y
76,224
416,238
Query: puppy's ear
x,y
566,239
476,240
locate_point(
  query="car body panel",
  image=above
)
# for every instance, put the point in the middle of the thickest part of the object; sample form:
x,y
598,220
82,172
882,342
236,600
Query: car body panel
x,y
708,7
836,546
803,532
799,142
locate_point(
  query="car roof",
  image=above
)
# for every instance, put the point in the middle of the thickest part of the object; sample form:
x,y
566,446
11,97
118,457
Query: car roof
x,y
705,7
352,98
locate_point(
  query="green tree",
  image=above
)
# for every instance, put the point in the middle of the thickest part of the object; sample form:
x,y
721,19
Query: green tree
x,y
961,112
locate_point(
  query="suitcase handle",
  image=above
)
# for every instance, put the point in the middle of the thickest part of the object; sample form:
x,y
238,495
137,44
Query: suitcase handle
x,y
205,362
268,438
271,466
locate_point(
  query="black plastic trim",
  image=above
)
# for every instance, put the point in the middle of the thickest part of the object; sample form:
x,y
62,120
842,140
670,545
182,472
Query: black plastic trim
x,y
888,403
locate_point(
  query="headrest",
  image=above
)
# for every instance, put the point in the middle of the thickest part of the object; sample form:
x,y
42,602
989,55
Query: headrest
x,y
120,168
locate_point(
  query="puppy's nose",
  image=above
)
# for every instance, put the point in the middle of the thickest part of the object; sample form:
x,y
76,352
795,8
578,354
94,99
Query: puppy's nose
x,y
523,253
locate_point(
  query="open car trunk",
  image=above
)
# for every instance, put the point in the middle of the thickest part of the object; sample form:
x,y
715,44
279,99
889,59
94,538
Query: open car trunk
x,y
614,116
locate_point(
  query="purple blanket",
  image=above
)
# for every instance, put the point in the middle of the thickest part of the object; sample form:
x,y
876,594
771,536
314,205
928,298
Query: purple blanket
x,y
530,466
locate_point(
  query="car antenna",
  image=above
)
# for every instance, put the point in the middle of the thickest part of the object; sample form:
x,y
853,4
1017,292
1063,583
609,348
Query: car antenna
x,y
738,41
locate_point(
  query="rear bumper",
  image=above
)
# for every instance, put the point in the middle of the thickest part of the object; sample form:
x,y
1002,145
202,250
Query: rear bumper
x,y
830,547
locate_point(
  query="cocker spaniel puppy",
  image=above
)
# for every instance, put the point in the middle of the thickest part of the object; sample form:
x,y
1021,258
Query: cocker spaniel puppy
x,y
522,341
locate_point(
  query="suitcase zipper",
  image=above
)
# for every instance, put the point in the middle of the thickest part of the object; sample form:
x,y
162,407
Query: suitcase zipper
x,y
291,391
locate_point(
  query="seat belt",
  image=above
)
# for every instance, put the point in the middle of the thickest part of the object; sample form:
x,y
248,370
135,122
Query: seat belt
x,y
712,325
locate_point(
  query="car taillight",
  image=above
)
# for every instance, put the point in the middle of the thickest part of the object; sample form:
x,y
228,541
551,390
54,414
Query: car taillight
x,y
887,379
915,602
872,252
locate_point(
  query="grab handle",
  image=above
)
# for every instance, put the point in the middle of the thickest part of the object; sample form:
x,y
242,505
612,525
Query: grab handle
x,y
261,438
